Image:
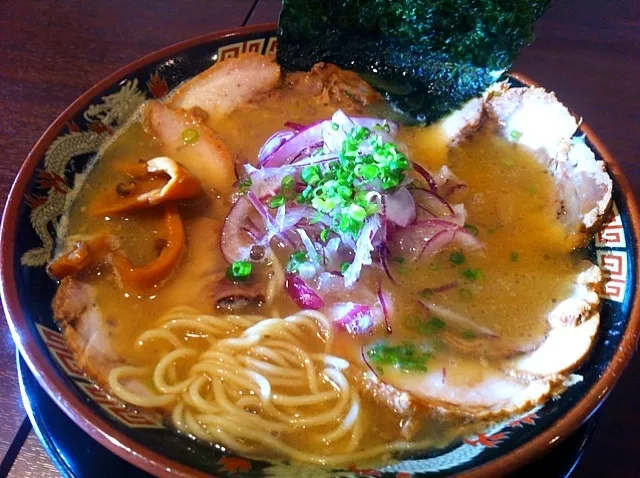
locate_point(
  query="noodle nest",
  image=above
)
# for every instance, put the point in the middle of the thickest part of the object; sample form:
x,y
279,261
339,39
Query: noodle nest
x,y
255,387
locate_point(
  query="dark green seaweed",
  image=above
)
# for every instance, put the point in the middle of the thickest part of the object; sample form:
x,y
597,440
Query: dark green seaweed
x,y
427,56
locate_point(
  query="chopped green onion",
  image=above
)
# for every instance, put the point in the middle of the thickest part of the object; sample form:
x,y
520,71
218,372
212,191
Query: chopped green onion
x,y
276,201
514,256
245,184
339,189
316,219
399,260
426,292
406,357
239,270
515,135
287,186
468,335
457,258
311,175
295,260
324,235
343,268
190,136
432,326
357,213
368,172
472,274
465,294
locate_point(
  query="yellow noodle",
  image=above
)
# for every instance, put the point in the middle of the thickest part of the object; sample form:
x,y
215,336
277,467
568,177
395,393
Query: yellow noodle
x,y
167,361
270,354
158,334
115,377
197,400
304,400
255,386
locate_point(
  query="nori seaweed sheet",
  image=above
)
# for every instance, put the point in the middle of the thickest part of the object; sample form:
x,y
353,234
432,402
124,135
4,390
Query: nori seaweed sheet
x,y
427,56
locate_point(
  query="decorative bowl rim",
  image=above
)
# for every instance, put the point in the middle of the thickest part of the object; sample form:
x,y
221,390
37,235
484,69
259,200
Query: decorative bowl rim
x,y
145,458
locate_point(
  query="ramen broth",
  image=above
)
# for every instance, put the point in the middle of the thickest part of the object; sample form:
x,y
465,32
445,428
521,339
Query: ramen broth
x,y
527,265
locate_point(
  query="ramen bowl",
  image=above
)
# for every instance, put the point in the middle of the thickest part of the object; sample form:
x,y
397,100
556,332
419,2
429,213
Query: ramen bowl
x,y
28,236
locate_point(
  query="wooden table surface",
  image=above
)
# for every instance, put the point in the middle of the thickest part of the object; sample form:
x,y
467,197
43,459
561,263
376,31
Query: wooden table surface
x,y
588,51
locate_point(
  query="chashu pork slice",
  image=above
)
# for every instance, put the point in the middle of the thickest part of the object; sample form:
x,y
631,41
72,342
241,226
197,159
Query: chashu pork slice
x,y
573,328
207,156
228,84
87,332
474,382
534,118
466,387
463,122
85,328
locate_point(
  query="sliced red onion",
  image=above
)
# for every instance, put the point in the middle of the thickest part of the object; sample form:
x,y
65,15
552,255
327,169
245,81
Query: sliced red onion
x,y
366,362
426,176
357,319
307,138
455,188
297,127
432,202
385,311
301,294
252,232
400,207
279,219
304,140
423,214
294,215
425,238
446,180
440,240
316,159
437,222
444,287
264,214
456,320
273,143
465,240
459,214
384,256
267,181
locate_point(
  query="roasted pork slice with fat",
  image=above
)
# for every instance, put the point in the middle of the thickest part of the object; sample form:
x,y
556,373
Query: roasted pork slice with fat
x,y
228,84
85,327
193,144
534,118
